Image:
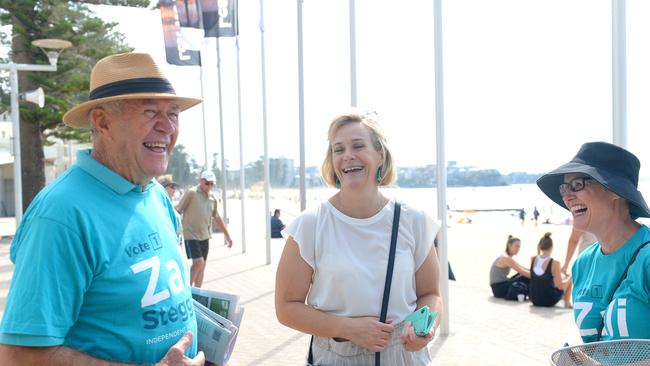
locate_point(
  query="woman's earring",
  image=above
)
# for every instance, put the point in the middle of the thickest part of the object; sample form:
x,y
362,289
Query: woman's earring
x,y
379,177
337,183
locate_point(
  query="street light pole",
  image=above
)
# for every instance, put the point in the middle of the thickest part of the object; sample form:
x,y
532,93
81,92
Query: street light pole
x,y
57,46
15,126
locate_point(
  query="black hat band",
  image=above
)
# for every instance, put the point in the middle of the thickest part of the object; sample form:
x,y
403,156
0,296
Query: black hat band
x,y
132,86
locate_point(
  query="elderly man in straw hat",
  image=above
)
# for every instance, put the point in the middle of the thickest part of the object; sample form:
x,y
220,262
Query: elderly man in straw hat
x,y
99,278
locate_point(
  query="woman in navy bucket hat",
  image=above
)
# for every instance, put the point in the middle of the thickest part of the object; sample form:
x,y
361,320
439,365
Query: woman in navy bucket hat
x,y
611,296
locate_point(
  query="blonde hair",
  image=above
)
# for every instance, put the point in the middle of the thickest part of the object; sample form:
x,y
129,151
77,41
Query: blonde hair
x,y
377,138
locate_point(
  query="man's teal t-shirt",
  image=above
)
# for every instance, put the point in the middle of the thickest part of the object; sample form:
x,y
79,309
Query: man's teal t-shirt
x,y
595,276
98,268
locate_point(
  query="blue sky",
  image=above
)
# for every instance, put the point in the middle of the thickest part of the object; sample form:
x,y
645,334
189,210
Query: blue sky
x,y
526,82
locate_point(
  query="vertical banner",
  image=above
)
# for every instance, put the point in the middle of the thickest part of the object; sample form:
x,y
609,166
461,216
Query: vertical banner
x,y
189,13
182,31
220,18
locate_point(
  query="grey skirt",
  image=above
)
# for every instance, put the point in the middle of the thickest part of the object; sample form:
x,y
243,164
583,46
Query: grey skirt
x,y
328,352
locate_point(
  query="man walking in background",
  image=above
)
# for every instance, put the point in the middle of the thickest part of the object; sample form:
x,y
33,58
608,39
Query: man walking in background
x,y
199,209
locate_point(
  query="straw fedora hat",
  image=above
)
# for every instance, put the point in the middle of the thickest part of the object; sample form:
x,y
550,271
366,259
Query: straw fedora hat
x,y
125,76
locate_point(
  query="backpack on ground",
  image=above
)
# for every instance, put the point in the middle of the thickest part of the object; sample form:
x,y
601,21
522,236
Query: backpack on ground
x,y
516,288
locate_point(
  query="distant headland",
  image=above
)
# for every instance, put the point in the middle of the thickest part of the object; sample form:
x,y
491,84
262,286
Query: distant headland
x,y
460,176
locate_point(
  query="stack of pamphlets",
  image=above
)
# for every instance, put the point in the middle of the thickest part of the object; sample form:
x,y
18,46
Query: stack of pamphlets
x,y
218,317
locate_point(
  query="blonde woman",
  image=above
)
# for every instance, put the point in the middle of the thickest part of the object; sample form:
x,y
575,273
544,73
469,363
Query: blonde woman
x,y
330,278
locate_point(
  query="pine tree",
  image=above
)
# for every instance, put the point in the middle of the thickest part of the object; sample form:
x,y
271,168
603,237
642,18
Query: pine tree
x,y
92,39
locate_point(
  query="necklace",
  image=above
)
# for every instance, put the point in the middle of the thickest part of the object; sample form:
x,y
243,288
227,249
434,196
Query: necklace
x,y
378,206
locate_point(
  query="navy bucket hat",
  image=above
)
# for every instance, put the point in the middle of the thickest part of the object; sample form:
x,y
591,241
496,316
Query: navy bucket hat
x,y
612,166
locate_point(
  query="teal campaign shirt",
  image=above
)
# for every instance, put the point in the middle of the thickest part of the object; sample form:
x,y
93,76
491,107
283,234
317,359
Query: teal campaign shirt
x,y
595,276
98,268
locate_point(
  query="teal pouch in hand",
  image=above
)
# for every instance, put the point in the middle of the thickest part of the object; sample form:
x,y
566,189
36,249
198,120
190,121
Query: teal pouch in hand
x,y
422,320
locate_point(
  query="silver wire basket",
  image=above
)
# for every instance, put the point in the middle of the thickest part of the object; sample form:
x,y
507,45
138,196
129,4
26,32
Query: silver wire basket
x,y
617,352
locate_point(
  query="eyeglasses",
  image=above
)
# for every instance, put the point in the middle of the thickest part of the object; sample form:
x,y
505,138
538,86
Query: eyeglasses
x,y
575,185
207,183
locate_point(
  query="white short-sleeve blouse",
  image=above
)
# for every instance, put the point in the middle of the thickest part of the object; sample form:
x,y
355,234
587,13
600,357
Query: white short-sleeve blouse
x,y
349,257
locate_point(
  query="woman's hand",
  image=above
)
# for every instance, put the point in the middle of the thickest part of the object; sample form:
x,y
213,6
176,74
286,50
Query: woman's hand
x,y
369,333
413,342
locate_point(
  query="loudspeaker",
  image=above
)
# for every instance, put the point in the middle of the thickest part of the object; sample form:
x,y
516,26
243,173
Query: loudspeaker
x,y
34,96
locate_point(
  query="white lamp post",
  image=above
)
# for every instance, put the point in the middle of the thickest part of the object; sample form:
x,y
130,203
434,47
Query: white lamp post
x,y
52,47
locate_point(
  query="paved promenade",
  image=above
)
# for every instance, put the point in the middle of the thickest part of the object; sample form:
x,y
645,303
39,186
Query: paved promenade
x,y
484,330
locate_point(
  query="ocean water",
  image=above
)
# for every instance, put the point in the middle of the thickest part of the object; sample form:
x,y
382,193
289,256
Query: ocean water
x,y
470,199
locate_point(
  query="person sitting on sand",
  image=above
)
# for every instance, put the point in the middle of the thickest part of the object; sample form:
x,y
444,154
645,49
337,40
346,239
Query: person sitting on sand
x,y
548,285
501,267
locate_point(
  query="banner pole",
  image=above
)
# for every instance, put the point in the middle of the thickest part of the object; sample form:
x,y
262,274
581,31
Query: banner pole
x,y
441,166
267,208
242,193
224,196
205,137
353,54
301,112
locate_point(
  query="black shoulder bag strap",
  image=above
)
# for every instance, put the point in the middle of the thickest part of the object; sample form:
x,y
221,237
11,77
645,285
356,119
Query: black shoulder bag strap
x,y
389,270
389,278
618,284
